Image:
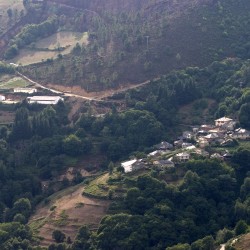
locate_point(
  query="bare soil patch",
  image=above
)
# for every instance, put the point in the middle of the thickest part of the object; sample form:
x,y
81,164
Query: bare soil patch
x,y
6,117
80,91
243,243
67,211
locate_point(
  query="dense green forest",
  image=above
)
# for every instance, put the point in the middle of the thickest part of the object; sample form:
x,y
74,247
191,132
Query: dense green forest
x,y
137,45
209,203
154,214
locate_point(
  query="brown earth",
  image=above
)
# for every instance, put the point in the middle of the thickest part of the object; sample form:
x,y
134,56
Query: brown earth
x,y
243,243
6,117
96,95
71,210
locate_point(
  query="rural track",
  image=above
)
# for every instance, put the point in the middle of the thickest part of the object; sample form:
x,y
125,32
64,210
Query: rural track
x,y
96,99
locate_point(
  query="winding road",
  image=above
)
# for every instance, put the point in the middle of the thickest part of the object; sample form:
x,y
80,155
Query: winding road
x,y
97,99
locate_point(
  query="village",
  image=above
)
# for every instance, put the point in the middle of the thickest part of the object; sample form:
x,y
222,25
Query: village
x,y
201,141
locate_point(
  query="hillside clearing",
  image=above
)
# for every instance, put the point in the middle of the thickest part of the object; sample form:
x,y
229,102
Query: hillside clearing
x,y
60,43
13,83
67,208
16,6
243,242
6,117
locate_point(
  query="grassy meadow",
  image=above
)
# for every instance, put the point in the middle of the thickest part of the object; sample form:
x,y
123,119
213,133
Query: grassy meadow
x,y
16,82
16,6
60,43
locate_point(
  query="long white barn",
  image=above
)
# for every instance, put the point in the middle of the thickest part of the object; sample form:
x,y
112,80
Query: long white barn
x,y
25,90
45,100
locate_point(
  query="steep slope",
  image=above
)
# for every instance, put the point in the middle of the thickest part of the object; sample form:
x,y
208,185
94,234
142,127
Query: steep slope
x,y
67,211
131,41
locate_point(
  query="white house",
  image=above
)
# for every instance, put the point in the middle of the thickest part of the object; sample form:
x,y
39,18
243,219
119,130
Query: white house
x,y
241,134
162,164
211,137
157,153
201,152
190,148
216,156
45,100
127,165
229,126
184,156
186,144
178,143
187,135
222,121
203,142
2,98
25,90
206,127
164,145
133,165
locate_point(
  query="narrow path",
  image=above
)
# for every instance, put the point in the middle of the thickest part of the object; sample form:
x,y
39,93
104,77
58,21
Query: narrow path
x,y
222,246
54,90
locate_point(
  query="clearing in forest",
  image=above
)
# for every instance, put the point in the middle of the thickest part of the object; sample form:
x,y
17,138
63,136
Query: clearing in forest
x,y
60,43
16,82
67,211
243,242
15,7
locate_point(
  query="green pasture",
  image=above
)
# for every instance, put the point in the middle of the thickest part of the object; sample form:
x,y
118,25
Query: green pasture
x,y
60,43
16,6
16,82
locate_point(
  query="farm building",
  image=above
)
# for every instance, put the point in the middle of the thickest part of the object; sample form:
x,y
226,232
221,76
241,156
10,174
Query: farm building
x,y
45,100
25,90
2,98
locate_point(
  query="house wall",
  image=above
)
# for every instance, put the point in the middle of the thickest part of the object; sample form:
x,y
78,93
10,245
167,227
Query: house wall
x,y
2,98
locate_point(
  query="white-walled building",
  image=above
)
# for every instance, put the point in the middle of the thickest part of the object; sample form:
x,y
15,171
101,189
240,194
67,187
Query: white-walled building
x,y
25,90
222,121
241,134
127,165
184,156
2,98
45,100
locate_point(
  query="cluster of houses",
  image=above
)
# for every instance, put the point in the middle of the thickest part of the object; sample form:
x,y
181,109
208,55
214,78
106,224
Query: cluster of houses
x,y
44,100
167,155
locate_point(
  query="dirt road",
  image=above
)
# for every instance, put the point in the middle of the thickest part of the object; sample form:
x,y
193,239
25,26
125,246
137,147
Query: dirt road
x,y
99,96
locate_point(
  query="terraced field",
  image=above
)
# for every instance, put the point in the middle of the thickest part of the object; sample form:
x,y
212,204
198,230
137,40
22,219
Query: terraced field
x,y
67,211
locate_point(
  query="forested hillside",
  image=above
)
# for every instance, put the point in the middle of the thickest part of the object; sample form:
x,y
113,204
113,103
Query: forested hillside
x,y
195,56
212,194
138,41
